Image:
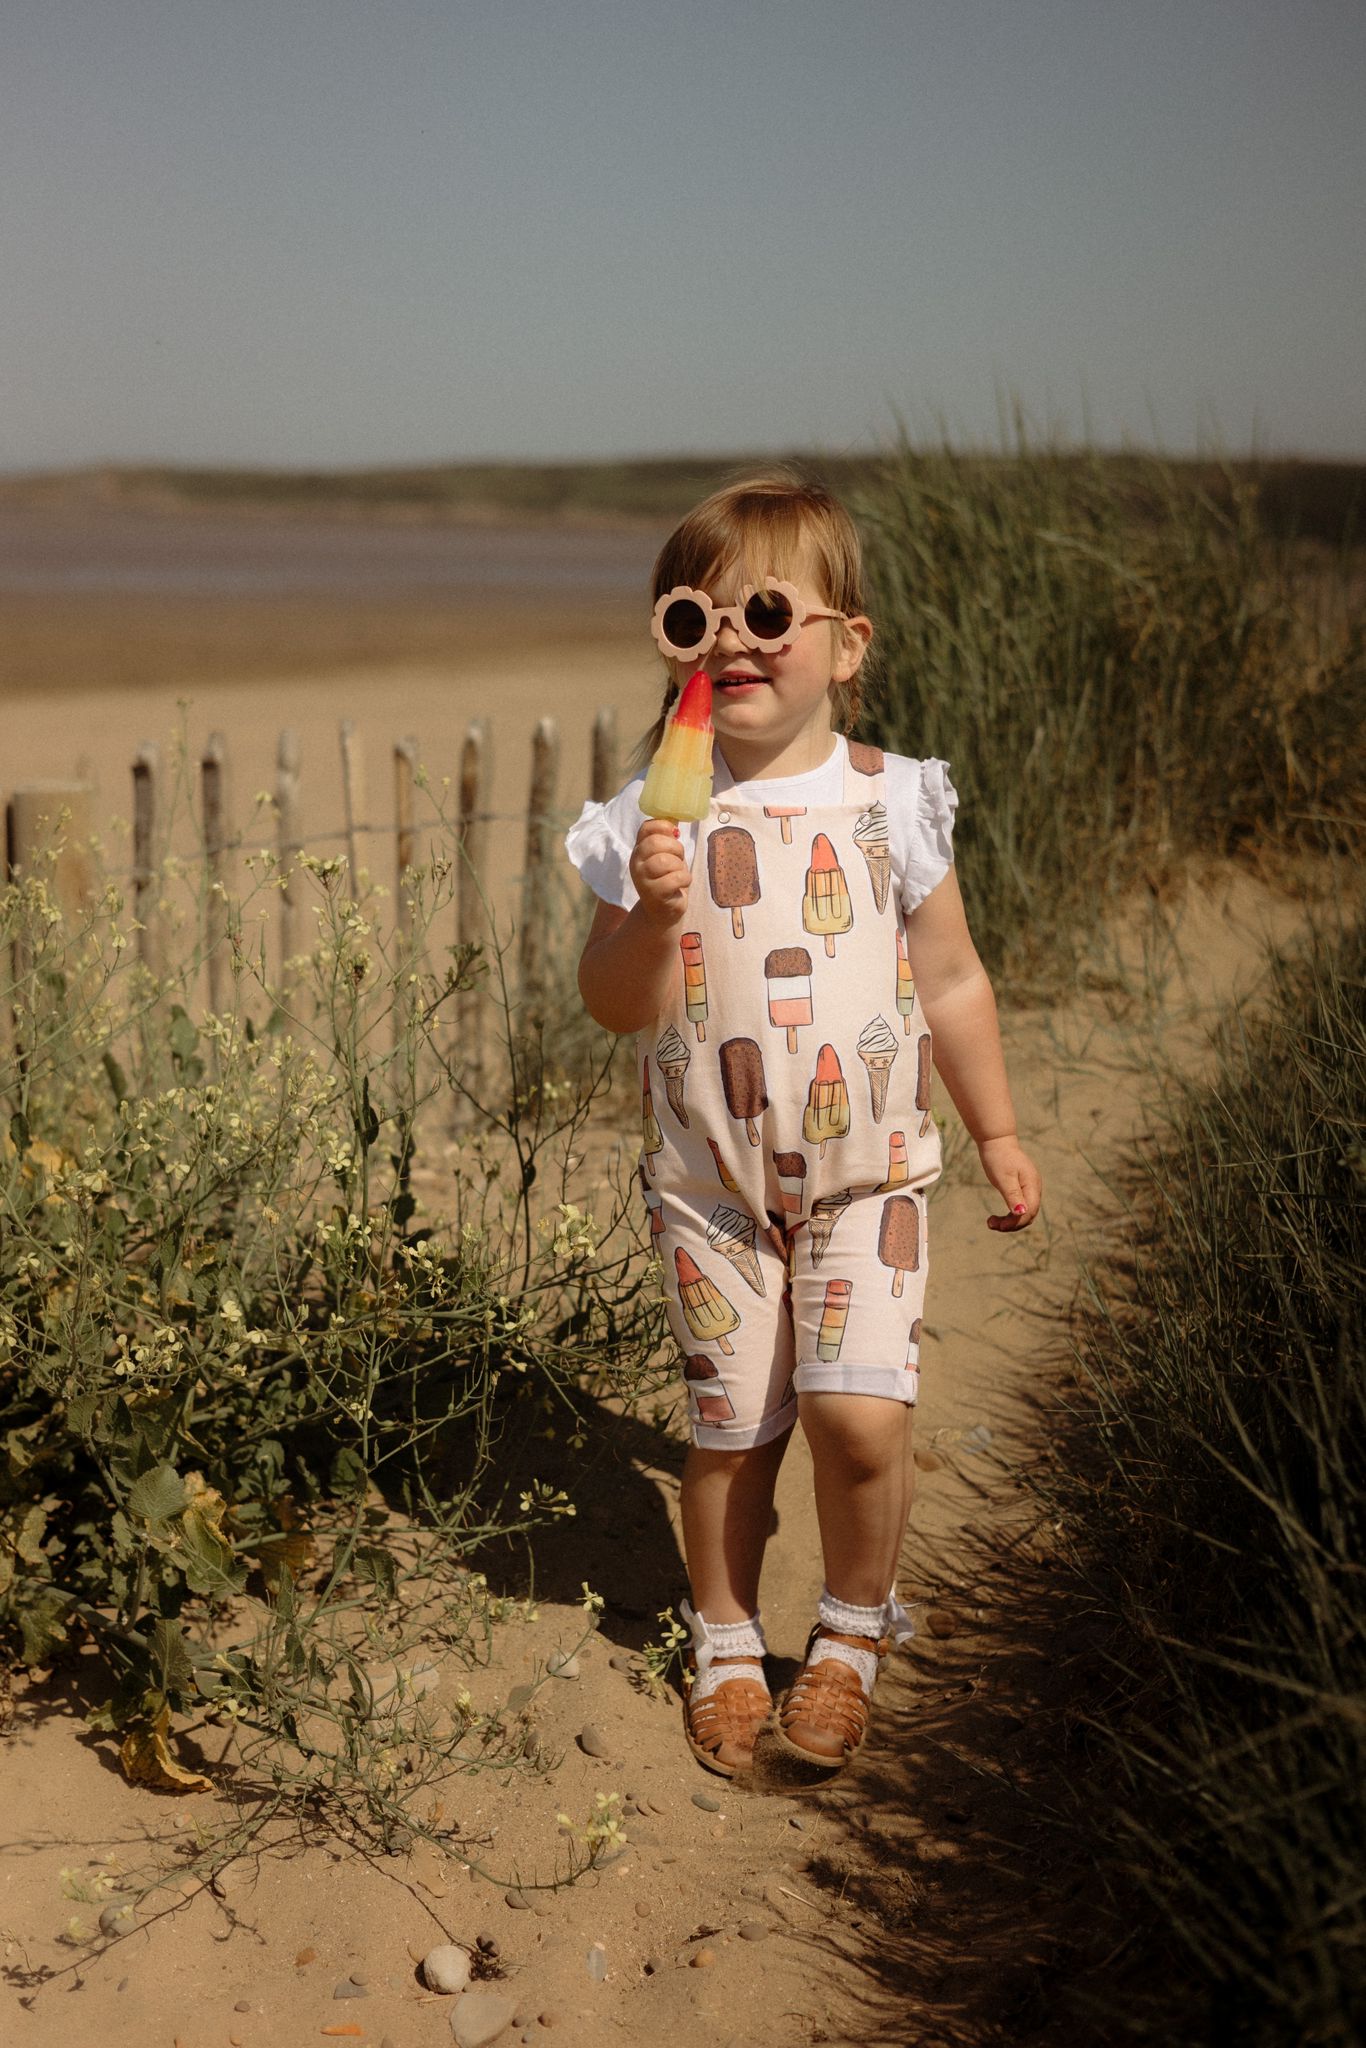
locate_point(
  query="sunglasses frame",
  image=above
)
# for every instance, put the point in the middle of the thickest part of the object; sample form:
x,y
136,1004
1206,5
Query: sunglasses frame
x,y
715,616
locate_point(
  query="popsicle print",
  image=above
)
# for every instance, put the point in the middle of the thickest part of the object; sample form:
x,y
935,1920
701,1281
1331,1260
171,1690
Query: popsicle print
x,y
825,1214
706,1311
905,986
723,1172
715,1405
898,1169
652,1136
787,970
826,909
877,1049
913,1348
827,1102
790,1168
785,813
731,1233
922,1081
742,1078
834,1316
695,983
898,1238
732,873
674,1059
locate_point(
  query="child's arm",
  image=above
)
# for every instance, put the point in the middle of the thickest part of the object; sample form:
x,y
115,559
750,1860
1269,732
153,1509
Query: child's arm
x,y
630,957
960,1010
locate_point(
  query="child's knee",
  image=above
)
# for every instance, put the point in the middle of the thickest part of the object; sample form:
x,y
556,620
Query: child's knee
x,y
864,1432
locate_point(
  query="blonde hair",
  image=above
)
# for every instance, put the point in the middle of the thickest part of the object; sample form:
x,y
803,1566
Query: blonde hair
x,y
772,524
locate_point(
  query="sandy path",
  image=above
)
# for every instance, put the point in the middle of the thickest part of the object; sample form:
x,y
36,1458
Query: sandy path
x,y
915,1899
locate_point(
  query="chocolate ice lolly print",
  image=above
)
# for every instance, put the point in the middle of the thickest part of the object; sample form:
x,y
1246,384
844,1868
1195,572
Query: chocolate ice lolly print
x,y
732,873
790,1168
922,1081
715,1405
898,1238
787,970
742,1078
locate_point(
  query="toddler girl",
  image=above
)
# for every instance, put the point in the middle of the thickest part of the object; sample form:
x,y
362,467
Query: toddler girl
x,y
788,964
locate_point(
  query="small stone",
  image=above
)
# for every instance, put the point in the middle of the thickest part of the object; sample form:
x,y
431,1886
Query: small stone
x,y
416,1949
754,1930
706,1802
118,1917
940,1622
518,1900
242,2005
797,1820
563,1664
361,1977
595,1962
550,2017
653,1965
122,1984
928,1461
593,1742
346,1989
704,1958
655,1807
446,1968
480,2017
234,2041
310,1955
621,1662
643,1908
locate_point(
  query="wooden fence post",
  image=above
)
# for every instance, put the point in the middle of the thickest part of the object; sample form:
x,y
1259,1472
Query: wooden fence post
x,y
213,771
353,799
146,882
603,782
545,767
405,852
288,847
32,826
476,784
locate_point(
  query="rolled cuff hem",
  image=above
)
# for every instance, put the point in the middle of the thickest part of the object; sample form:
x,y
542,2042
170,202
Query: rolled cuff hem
x,y
891,1383
708,1437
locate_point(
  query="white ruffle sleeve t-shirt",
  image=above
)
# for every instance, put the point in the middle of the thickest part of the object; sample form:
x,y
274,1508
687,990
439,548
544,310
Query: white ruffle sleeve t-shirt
x,y
921,802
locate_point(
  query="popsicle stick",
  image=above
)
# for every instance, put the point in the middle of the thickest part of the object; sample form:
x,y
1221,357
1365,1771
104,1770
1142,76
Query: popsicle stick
x,y
545,768
146,766
213,775
288,845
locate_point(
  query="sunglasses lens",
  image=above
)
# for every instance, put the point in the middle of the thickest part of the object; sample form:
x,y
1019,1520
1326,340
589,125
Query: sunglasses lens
x,y
685,624
768,615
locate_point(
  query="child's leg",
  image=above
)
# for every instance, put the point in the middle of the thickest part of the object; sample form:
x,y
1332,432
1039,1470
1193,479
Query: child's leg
x,y
860,1451
727,1509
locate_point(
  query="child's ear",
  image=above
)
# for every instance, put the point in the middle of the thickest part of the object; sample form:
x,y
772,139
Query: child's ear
x,y
855,636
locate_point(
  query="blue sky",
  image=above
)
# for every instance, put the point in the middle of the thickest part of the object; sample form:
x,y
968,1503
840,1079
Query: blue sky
x,y
317,232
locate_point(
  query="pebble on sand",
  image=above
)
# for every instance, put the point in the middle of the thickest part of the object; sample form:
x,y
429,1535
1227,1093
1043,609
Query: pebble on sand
x,y
480,2017
118,1917
446,1968
563,1664
754,1930
706,1802
592,1741
595,1962
621,1662
704,1958
928,1461
305,1956
940,1622
519,1900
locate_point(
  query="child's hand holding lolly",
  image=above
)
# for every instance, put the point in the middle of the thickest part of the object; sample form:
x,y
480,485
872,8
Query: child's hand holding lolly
x,y
677,786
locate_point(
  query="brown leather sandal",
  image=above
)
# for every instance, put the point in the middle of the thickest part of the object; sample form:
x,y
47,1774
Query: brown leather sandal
x,y
720,1729
823,1717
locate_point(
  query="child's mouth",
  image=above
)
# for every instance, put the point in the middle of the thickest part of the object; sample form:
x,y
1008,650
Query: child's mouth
x,y
741,683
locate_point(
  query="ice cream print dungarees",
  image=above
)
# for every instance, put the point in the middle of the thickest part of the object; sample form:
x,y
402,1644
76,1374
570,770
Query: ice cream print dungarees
x,y
788,1140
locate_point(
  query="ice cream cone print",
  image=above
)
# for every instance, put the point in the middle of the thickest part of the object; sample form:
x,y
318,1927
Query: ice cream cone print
x,y
790,1168
834,1316
905,987
877,1049
652,1136
744,1084
732,1234
705,1309
732,873
723,1172
922,1081
655,1206
870,837
673,1059
827,1102
826,909
825,1214
715,1405
898,1238
898,1171
695,983
785,813
787,973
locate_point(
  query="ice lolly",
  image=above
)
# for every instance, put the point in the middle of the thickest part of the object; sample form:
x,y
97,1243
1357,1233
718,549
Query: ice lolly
x,y
877,1050
790,1168
826,909
742,1078
785,813
898,1171
695,983
733,873
898,1239
673,1059
825,1214
705,1310
787,970
653,1137
731,1233
922,1081
905,986
715,1405
723,1172
827,1102
678,784
834,1316
870,837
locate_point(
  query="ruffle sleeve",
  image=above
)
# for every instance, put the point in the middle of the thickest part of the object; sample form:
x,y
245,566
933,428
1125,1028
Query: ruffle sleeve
x,y
929,839
599,845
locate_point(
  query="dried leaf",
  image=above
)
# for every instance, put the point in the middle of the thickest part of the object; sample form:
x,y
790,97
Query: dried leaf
x,y
145,1755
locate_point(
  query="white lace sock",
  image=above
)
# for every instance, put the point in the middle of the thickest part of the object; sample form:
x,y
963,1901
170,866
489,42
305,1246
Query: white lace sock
x,y
896,1622
713,1639
850,1621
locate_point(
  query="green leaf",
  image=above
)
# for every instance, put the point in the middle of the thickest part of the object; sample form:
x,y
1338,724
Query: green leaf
x,y
118,1080
158,1495
172,1664
347,1474
41,1624
376,1565
19,1131
368,1126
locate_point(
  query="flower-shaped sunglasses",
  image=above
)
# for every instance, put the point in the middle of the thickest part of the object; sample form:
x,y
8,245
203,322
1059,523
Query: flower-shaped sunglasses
x,y
686,623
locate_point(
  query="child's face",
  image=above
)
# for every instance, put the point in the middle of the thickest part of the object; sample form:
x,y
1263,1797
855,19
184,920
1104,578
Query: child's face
x,y
768,698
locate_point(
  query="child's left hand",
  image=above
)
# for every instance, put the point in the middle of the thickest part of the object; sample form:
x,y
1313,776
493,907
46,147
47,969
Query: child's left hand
x,y
1014,1175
